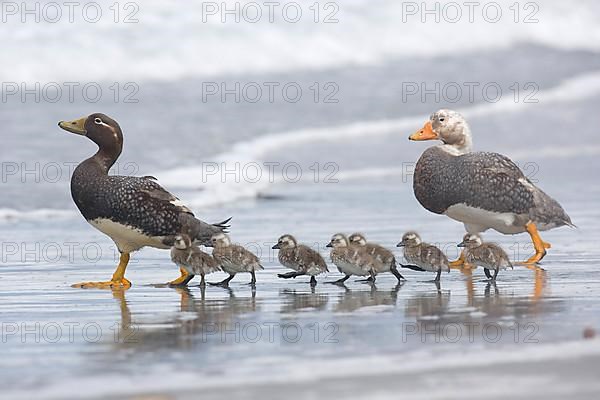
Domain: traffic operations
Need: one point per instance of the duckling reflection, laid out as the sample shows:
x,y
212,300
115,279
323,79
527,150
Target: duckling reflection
x,y
352,300
188,328
125,323
507,302
296,300
510,302
428,304
539,289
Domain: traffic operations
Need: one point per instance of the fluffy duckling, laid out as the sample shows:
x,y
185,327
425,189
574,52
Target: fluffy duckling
x,y
425,256
351,260
302,259
233,259
387,260
193,260
490,256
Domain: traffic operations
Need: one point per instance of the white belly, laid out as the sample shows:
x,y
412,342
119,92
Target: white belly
x,y
350,269
232,268
127,238
478,220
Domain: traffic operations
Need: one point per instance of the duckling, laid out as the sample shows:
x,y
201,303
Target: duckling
x,y
233,259
387,260
192,259
490,256
351,260
302,259
425,256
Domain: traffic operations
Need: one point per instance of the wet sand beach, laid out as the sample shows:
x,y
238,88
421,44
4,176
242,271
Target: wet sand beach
x,y
336,160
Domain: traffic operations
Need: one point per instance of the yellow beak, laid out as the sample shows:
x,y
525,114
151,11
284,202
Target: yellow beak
x,y
426,133
77,126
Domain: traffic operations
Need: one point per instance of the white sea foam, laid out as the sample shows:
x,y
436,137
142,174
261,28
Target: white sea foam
x,y
219,189
216,190
367,33
7,214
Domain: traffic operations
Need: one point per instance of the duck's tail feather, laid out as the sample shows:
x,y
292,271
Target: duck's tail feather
x,y
224,225
201,231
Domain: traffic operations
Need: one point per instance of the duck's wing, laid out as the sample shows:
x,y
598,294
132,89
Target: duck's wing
x,y
500,257
156,192
433,256
309,257
205,260
488,181
382,253
142,203
492,182
244,257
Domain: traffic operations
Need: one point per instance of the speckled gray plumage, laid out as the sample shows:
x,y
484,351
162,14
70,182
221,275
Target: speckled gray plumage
x,y
386,259
235,258
194,261
427,257
488,255
353,260
136,202
303,259
489,181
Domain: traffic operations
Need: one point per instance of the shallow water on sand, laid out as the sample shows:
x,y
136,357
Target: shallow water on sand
x,y
151,340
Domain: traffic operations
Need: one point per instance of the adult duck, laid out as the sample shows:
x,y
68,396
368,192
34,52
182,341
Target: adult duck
x,y
480,189
134,212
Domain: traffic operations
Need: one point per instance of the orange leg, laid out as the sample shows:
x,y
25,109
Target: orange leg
x,y
540,283
458,264
468,273
540,279
461,264
117,281
183,279
539,245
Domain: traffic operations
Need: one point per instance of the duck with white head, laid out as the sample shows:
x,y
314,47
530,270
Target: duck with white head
x,y
482,190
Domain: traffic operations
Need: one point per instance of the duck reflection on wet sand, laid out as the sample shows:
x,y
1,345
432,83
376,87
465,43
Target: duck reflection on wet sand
x,y
352,300
490,306
425,304
298,300
199,320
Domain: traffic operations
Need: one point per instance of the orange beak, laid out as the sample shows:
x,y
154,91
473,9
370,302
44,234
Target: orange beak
x,y
426,133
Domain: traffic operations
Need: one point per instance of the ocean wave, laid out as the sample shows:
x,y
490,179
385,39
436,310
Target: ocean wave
x,y
189,43
8,215
208,190
218,189
540,153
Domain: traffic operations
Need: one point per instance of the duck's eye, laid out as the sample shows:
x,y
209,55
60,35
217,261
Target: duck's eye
x,y
98,121
442,119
